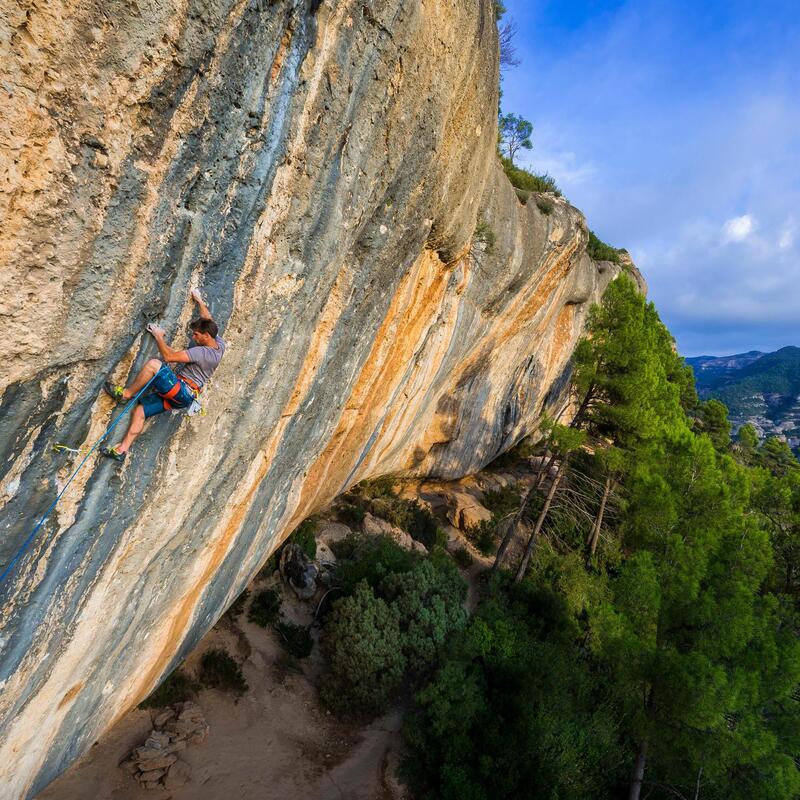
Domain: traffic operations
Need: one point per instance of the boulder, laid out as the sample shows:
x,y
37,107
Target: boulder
x,y
299,571
375,526
331,532
465,511
179,774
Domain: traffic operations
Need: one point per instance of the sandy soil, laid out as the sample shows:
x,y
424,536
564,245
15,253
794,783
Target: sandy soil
x,y
276,742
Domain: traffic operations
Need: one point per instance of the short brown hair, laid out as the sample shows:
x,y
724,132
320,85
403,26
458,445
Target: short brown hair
x,y
205,326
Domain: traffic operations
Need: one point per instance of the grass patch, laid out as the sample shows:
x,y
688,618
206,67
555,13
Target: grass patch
x,y
177,687
219,670
529,181
265,607
296,639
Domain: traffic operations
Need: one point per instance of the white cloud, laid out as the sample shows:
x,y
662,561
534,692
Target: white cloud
x,y
738,229
787,235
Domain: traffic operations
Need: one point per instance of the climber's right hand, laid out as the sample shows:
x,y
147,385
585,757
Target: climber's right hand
x,y
155,330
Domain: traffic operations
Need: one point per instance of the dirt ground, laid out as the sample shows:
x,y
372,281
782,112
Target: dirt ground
x,y
275,742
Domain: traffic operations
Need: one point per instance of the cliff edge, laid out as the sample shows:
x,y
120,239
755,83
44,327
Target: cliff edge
x,y
319,170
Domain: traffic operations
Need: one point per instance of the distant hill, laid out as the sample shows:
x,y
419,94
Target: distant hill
x,y
760,388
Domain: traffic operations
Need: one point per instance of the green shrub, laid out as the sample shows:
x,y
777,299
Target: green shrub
x,y
600,251
351,514
463,558
369,558
268,570
529,181
484,536
305,536
398,610
177,687
429,601
365,654
545,205
484,234
265,607
409,516
296,639
382,486
220,671
504,500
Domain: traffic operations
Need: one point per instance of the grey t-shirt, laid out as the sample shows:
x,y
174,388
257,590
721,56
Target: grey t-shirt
x,y
204,361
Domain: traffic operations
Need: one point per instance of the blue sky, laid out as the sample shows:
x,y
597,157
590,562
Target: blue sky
x,y
675,127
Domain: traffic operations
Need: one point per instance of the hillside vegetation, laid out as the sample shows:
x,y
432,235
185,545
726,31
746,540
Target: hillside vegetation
x,y
759,389
644,643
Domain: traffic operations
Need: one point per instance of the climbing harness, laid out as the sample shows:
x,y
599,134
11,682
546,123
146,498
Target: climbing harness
x,y
58,447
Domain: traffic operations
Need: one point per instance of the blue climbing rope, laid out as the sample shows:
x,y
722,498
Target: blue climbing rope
x,y
46,514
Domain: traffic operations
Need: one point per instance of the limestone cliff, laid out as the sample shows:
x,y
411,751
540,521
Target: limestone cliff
x,y
318,170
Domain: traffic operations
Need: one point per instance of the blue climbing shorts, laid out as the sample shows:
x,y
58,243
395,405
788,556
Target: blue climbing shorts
x,y
165,380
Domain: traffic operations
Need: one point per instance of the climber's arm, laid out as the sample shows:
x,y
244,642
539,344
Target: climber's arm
x,y
201,306
167,353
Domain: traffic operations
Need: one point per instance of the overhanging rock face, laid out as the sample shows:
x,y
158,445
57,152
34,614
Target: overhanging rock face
x,y
319,173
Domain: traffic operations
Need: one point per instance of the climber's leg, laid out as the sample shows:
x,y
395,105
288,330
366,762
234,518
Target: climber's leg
x,y
135,427
150,368
122,394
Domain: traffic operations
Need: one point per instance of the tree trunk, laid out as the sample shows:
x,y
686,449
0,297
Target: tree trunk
x,y
512,525
638,772
697,784
594,534
523,566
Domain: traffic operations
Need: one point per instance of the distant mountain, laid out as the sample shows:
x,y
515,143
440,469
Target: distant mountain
x,y
760,388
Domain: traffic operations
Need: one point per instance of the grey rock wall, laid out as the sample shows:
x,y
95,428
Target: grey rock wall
x,y
319,173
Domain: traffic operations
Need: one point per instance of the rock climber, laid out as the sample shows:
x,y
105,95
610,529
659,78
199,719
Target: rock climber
x,y
171,389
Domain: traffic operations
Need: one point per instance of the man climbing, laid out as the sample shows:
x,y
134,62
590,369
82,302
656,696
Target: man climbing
x,y
171,389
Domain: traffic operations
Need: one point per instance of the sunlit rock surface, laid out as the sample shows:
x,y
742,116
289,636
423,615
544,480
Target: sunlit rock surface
x,y
319,173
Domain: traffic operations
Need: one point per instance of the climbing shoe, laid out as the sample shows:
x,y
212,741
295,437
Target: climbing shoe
x,y
112,452
114,392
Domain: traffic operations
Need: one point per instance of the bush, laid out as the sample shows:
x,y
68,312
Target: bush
x,y
371,559
382,486
177,687
399,609
351,514
484,234
265,607
365,654
219,671
600,251
429,601
529,181
504,500
545,205
411,517
463,558
305,536
484,536
296,639
268,570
